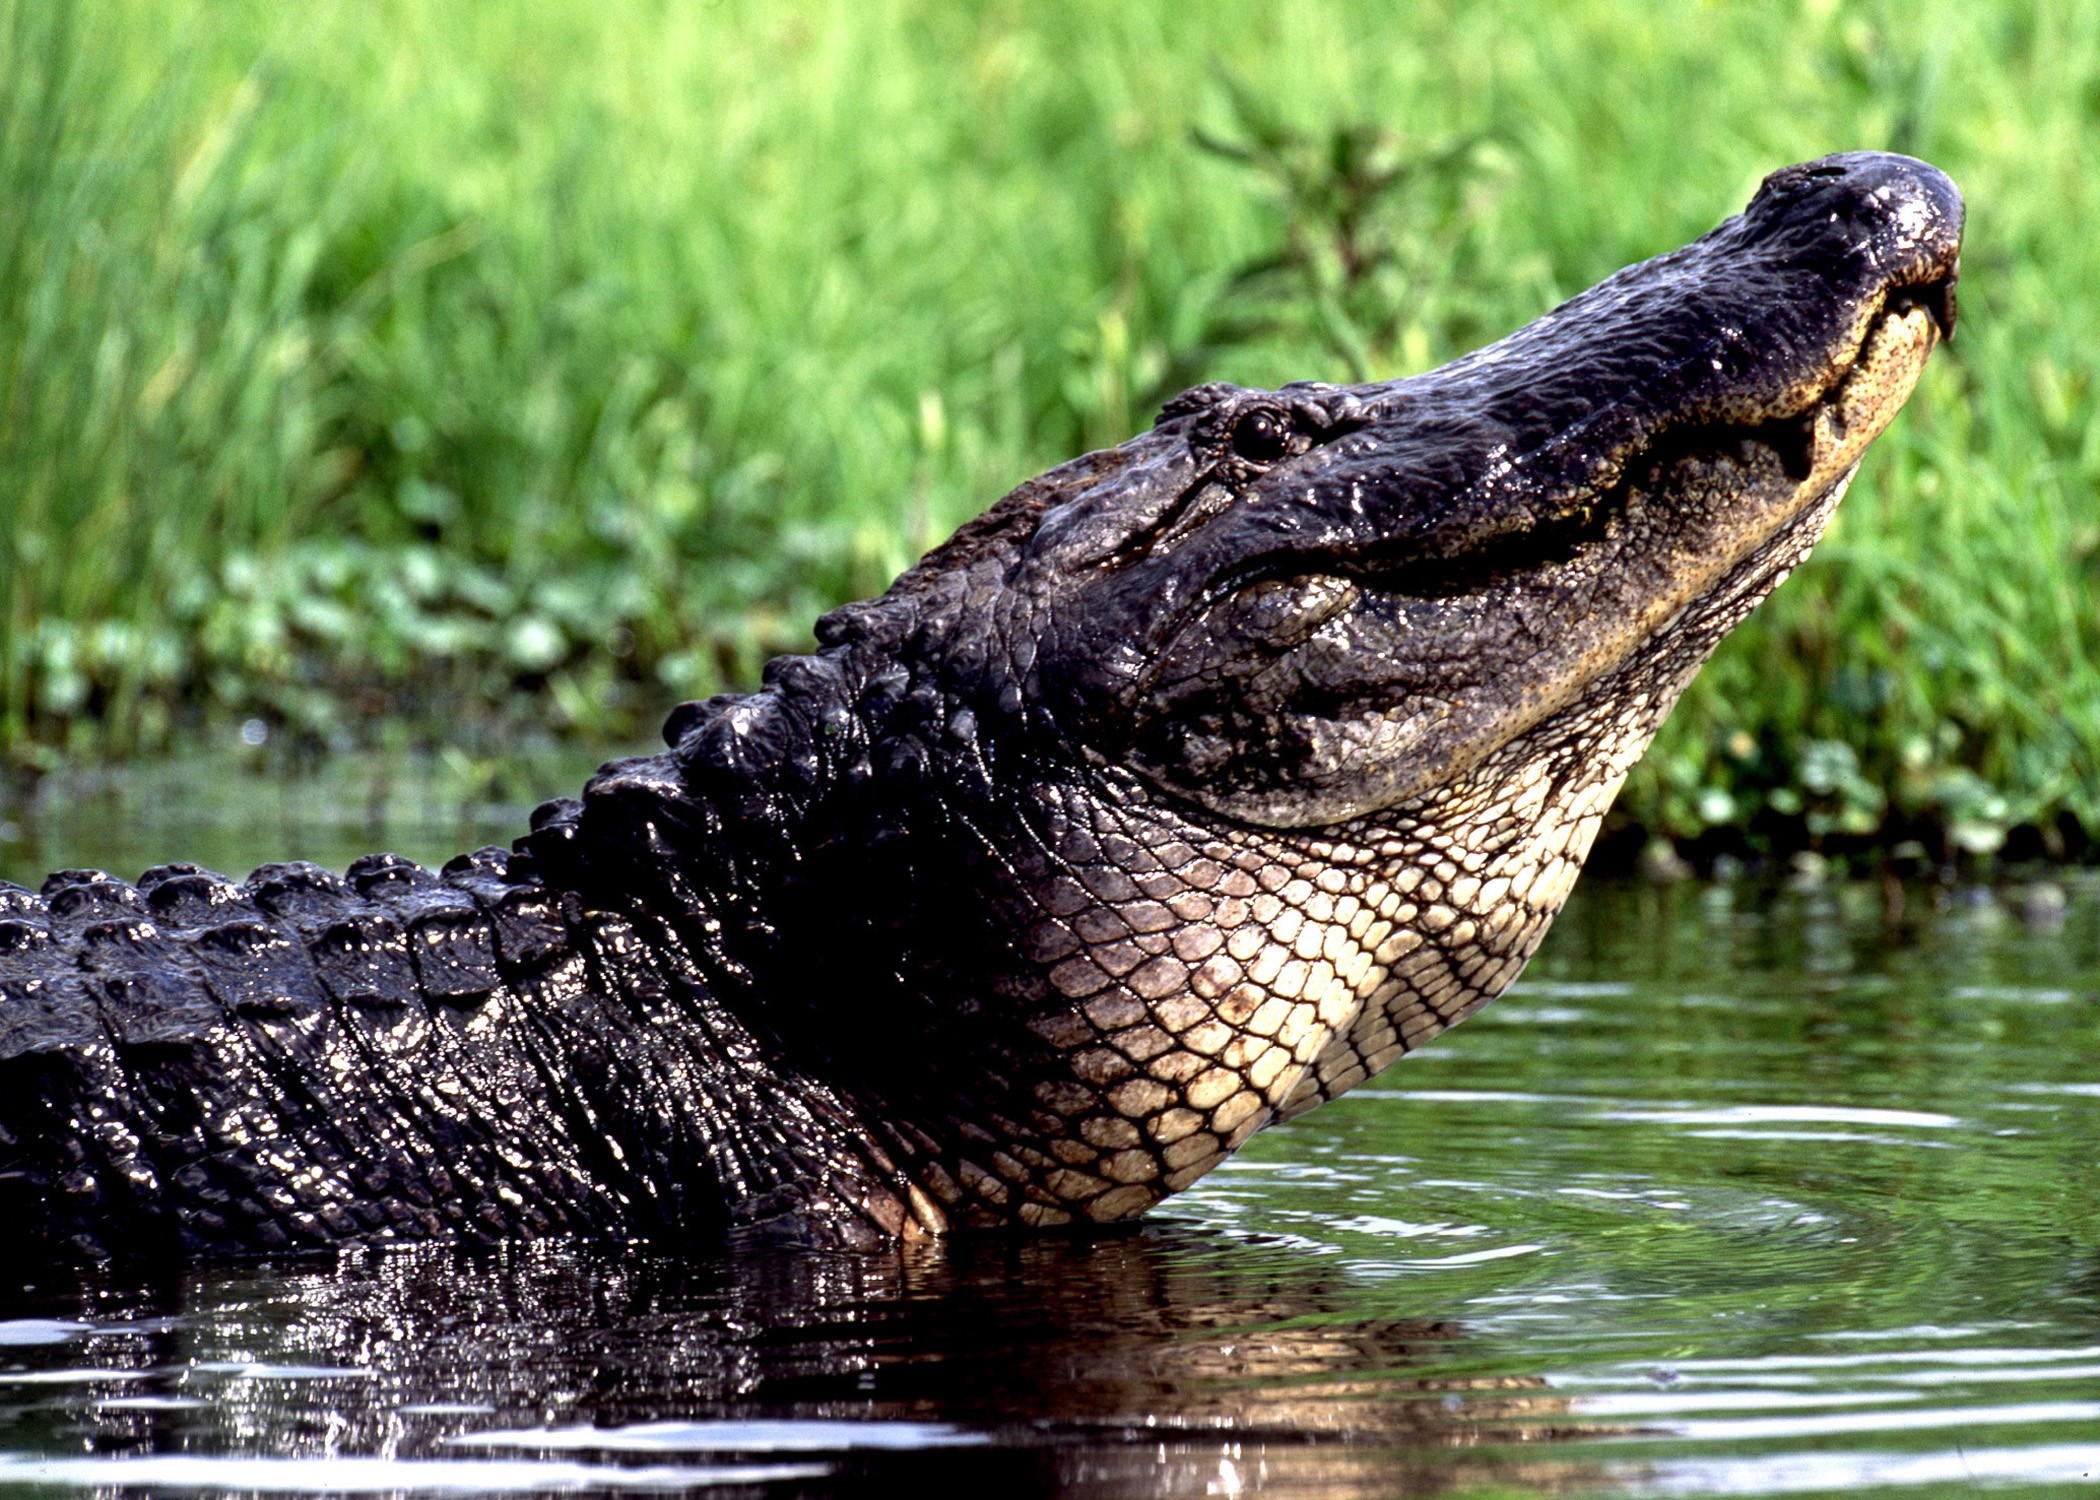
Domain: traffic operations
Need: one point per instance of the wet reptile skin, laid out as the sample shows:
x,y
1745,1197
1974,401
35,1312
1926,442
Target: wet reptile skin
x,y
1187,788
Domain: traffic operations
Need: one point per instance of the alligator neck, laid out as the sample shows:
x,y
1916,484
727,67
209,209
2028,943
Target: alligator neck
x,y
1028,989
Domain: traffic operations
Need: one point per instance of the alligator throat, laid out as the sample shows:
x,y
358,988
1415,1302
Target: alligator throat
x,y
1188,787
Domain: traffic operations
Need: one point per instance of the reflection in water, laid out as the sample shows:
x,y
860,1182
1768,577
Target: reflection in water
x,y
1753,1192
1163,1361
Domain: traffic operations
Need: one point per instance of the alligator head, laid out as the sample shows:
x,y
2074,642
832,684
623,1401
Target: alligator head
x,y
1202,777
1302,607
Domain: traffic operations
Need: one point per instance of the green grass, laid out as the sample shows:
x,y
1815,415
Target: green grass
x,y
438,369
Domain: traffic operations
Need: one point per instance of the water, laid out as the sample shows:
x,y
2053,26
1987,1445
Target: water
x,y
1741,1192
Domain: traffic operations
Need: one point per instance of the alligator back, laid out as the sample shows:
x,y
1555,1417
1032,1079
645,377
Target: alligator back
x,y
297,1056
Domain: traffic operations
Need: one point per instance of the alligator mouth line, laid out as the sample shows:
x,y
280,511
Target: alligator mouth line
x,y
1496,560
1589,519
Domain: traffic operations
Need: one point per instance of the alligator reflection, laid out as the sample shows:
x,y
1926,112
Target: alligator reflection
x,y
1157,1362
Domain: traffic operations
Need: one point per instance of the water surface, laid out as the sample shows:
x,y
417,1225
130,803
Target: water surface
x,y
1742,1191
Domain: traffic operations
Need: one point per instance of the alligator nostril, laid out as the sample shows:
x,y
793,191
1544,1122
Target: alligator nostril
x,y
1820,172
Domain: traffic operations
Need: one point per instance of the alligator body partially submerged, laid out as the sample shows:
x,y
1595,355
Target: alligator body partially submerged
x,y
1188,787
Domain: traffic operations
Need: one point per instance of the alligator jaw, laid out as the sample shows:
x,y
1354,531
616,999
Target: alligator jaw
x,y
1355,594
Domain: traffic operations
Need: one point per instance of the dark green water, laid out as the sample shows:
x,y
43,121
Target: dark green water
x,y
1740,1192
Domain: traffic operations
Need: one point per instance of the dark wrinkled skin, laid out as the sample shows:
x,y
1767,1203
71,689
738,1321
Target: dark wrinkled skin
x,y
1192,784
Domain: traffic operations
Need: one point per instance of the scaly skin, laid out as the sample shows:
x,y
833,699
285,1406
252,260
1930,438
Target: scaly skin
x,y
1188,787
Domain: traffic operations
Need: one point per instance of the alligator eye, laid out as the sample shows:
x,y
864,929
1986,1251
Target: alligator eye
x,y
1261,436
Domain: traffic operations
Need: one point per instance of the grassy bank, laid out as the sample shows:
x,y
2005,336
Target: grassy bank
x,y
409,371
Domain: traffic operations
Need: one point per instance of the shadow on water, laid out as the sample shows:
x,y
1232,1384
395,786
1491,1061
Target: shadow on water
x,y
1165,1361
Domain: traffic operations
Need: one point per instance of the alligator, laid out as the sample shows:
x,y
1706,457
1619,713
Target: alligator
x,y
1185,789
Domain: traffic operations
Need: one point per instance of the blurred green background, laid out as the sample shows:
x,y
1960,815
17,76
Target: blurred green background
x,y
451,372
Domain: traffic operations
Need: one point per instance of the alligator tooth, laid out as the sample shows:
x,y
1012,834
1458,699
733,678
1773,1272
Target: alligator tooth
x,y
1794,440
1937,299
